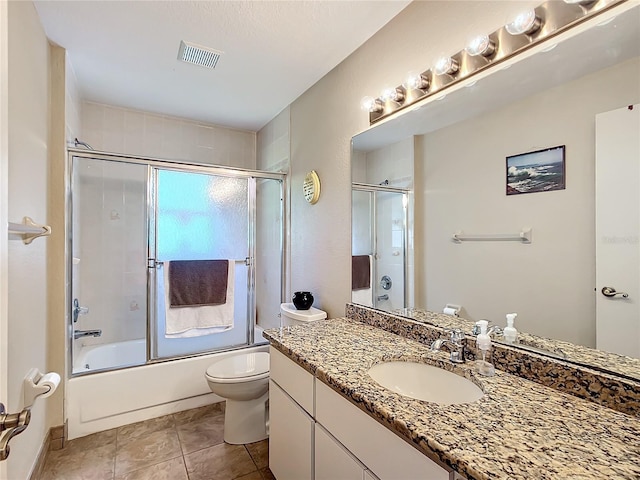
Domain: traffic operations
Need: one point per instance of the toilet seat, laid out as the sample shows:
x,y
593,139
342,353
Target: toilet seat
x,y
238,368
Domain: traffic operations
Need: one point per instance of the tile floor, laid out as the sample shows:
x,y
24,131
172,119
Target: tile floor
x,y
184,446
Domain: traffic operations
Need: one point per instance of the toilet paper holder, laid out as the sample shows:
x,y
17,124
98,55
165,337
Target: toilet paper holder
x,y
451,309
35,385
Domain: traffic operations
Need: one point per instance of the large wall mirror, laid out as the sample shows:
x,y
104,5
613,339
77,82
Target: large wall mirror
x,y
581,93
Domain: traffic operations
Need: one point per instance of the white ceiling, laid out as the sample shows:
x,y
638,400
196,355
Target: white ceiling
x,y
125,52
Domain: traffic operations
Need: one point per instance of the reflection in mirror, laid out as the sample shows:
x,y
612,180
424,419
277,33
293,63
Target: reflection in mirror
x,y
380,219
554,97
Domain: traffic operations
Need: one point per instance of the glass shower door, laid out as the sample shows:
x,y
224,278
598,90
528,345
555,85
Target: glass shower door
x,y
108,226
379,231
201,217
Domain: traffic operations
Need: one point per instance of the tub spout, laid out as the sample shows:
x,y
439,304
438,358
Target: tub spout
x,y
86,333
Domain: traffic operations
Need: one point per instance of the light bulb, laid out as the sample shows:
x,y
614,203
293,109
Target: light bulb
x,y
415,81
446,65
527,22
370,104
392,94
481,45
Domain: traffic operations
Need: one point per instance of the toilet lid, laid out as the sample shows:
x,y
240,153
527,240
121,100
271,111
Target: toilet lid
x,y
241,365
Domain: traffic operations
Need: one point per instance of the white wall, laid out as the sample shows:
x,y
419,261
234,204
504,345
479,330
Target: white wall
x,y
27,287
123,130
73,103
550,283
326,116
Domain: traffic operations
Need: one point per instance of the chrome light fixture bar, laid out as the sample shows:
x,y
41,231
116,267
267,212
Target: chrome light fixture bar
x,y
485,51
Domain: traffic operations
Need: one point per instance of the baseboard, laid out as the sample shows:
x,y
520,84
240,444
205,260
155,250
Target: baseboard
x,y
54,441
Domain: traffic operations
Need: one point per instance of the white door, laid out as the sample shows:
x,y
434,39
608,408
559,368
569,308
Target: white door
x,y
618,231
4,172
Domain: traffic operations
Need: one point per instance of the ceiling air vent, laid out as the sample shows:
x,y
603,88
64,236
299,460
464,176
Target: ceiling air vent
x,y
198,55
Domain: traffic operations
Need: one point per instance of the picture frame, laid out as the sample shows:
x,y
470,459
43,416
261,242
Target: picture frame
x,y
536,171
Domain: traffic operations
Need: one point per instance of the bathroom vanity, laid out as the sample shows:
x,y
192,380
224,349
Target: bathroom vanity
x,y
330,419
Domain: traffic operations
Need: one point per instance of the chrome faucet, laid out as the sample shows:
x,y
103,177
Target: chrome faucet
x,y
455,345
493,329
86,333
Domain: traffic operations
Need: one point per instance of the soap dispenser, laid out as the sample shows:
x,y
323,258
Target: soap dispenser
x,y
484,365
510,333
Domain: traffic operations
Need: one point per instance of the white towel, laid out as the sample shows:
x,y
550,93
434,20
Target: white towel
x,y
184,322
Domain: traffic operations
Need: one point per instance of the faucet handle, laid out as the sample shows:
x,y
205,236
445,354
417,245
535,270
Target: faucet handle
x,y
456,335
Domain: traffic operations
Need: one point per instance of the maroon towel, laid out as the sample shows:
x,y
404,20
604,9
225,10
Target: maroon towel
x,y
198,282
360,272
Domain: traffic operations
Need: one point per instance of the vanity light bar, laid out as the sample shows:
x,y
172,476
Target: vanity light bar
x,y
526,30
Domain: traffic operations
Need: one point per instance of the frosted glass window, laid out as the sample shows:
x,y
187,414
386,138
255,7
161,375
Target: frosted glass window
x,y
202,217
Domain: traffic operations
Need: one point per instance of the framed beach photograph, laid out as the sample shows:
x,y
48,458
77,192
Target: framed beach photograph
x,y
539,171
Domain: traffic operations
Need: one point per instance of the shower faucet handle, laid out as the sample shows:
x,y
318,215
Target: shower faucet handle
x,y
78,310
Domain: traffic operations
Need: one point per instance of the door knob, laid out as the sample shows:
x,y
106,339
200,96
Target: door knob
x,y
611,292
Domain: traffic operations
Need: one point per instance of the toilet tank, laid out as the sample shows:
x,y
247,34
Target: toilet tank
x,y
292,316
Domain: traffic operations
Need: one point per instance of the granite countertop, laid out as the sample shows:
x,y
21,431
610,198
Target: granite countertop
x,y
589,357
518,430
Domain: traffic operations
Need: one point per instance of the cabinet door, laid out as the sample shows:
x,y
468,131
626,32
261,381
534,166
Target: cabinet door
x,y
333,461
292,378
382,451
290,437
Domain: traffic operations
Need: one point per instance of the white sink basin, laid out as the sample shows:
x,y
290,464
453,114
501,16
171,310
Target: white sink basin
x,y
425,382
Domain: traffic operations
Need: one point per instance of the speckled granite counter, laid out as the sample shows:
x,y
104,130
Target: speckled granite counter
x,y
605,361
518,430
604,388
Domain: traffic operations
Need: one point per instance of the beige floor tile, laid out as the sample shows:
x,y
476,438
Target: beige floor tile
x,y
266,474
221,462
259,452
94,464
134,431
143,452
90,442
194,414
202,433
252,476
173,469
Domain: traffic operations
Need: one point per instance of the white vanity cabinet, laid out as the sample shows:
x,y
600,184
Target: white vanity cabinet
x,y
290,437
333,461
291,424
315,433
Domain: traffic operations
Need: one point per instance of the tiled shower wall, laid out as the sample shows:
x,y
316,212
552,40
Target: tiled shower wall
x,y
133,132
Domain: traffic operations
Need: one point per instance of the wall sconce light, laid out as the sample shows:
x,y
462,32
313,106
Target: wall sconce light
x,y
416,81
481,45
446,66
558,16
371,105
392,94
527,22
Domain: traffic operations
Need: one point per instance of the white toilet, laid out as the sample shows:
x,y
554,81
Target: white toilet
x,y
243,380
291,316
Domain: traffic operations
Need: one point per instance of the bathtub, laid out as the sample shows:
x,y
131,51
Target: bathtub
x,y
110,399
109,355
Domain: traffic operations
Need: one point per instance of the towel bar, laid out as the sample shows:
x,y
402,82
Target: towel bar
x,y
28,229
524,236
154,263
